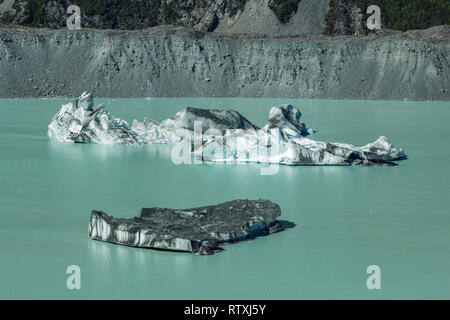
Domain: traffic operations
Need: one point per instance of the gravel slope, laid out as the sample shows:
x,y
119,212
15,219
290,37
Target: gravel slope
x,y
258,18
175,62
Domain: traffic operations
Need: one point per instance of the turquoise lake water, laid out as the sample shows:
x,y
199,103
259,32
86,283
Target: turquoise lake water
x,y
347,218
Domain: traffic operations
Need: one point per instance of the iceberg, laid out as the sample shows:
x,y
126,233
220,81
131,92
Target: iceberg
x,y
224,136
287,117
198,230
282,146
79,122
183,124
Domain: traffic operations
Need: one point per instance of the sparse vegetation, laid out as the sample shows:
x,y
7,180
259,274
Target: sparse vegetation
x,y
284,9
410,14
35,9
125,14
236,6
397,15
135,14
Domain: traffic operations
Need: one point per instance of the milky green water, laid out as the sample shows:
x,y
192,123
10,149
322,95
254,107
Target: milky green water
x,y
347,218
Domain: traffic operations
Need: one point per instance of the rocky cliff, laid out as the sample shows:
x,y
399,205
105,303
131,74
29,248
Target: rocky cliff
x,y
175,62
268,17
200,15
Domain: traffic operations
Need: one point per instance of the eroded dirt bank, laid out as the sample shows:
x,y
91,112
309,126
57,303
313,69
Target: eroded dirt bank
x,y
175,62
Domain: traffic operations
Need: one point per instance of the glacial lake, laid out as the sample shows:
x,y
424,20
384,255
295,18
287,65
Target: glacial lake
x,y
346,218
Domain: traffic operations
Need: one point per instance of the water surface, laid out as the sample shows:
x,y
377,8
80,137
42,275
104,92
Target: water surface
x,y
347,218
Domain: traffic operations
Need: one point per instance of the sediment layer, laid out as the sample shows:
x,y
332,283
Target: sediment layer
x,y
176,62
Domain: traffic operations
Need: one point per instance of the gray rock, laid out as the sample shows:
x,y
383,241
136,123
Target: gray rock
x,y
199,230
6,6
226,16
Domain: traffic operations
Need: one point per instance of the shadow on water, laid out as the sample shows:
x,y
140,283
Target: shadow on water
x,y
284,224
287,224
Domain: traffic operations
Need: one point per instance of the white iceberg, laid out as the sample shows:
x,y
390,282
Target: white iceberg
x,y
189,120
279,146
220,136
79,122
288,117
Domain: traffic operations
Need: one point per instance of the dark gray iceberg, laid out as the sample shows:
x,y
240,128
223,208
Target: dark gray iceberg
x,y
198,230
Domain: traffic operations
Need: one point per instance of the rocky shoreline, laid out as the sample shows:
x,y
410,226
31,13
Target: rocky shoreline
x,y
169,61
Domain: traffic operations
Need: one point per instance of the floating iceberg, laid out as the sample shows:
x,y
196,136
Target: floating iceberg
x,y
198,230
220,136
183,124
79,122
287,117
282,146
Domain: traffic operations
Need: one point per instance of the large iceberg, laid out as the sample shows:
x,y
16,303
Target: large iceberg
x,y
198,230
283,146
79,122
185,123
225,136
228,137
